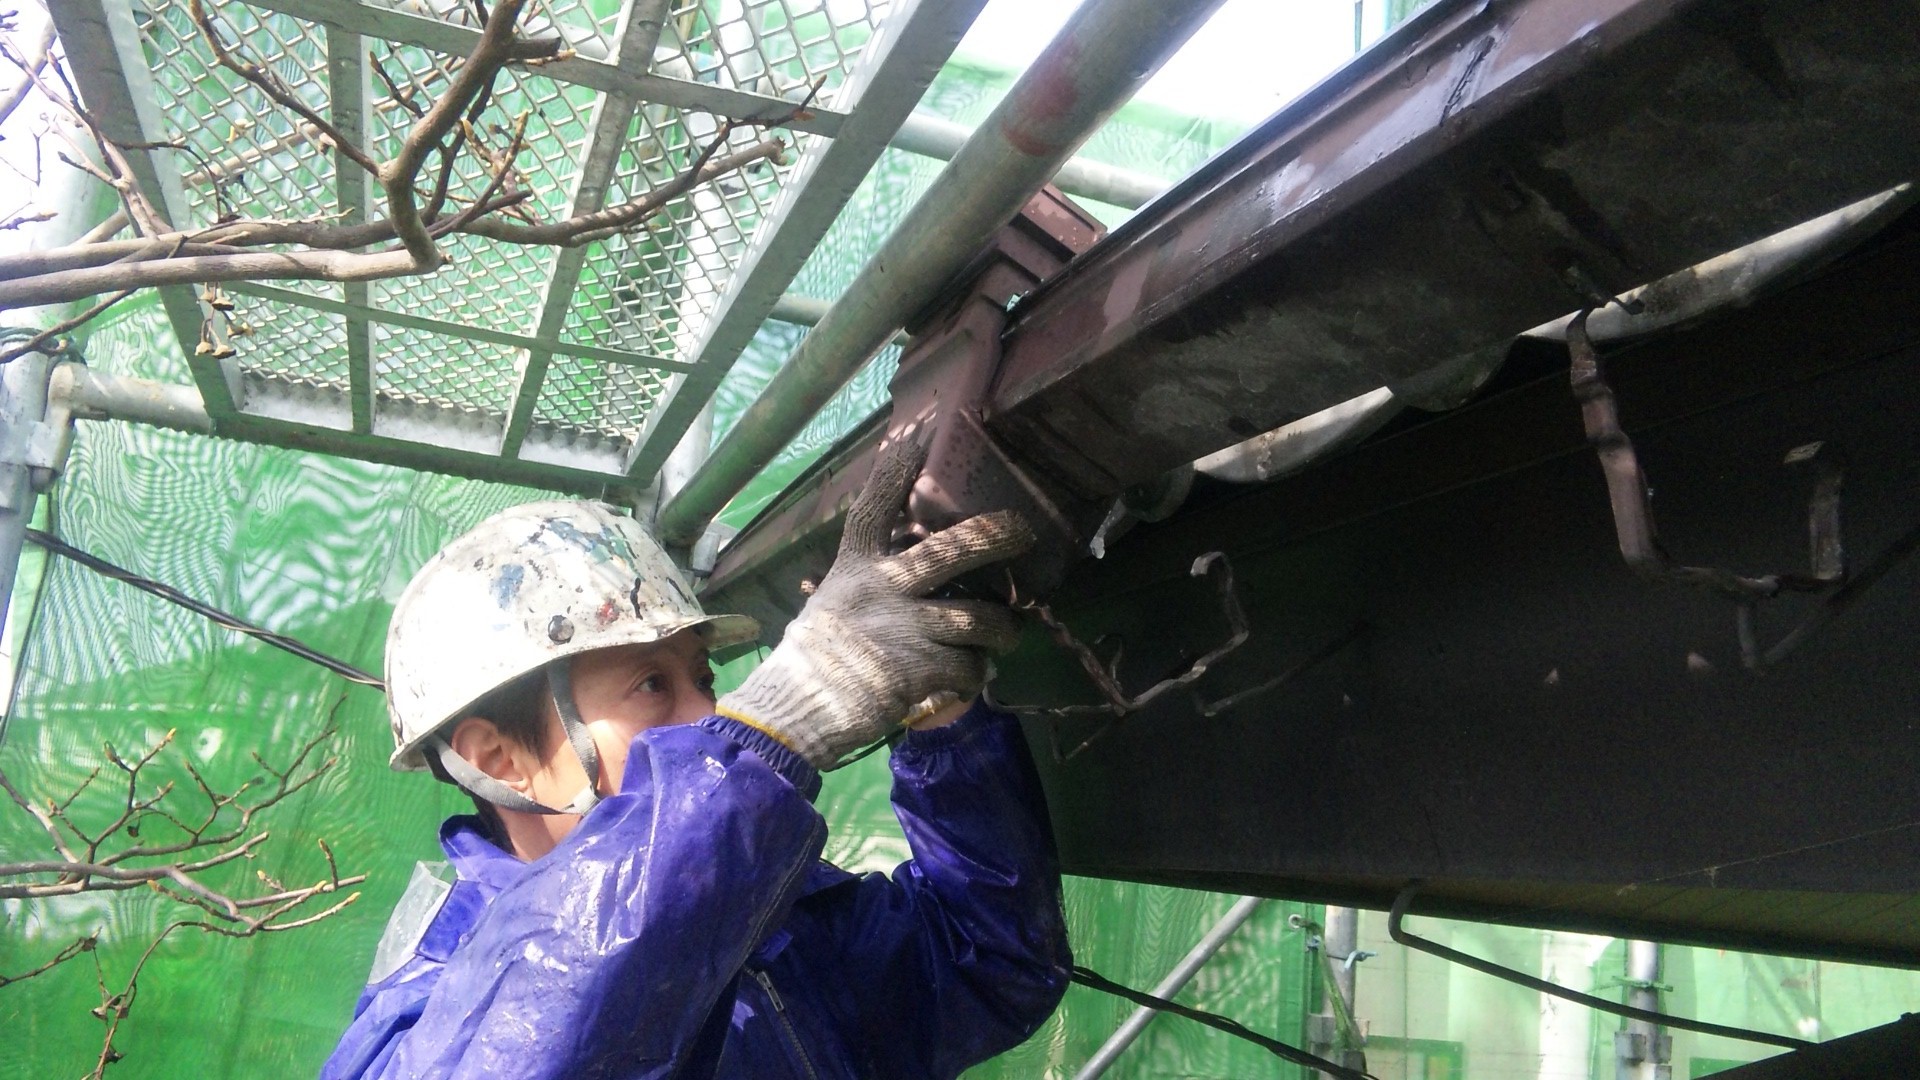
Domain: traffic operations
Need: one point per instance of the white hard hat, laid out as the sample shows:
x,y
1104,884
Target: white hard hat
x,y
528,586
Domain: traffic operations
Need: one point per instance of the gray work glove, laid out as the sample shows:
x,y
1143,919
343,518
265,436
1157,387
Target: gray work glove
x,y
867,648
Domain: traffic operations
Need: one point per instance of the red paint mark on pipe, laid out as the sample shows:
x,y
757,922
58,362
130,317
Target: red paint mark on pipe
x,y
1051,93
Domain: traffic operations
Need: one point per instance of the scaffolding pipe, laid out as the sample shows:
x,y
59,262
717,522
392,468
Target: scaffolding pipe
x,y
808,311
1398,932
1643,1051
1104,53
1183,973
937,137
1339,947
95,395
23,410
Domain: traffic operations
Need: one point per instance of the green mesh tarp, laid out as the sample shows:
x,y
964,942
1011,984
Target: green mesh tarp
x,y
315,546
318,547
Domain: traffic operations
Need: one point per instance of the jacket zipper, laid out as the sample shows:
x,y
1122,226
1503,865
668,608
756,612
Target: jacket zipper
x,y
780,1010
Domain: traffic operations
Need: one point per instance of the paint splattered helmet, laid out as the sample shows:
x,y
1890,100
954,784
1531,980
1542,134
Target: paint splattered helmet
x,y
528,586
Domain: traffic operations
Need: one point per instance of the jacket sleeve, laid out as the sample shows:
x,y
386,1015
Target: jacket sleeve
x,y
609,956
963,954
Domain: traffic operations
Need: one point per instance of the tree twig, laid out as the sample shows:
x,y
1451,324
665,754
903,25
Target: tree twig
x,y
72,949
117,174
495,49
26,216
586,228
182,877
276,90
32,62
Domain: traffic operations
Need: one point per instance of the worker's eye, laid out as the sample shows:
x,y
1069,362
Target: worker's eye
x,y
703,678
651,684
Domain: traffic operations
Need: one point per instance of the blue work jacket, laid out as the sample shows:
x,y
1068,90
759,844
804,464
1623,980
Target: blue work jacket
x,y
687,927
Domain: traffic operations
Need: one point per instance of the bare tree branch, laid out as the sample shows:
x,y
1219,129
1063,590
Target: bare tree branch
x,y
113,857
227,168
404,242
31,63
115,224
47,277
495,49
117,173
501,170
254,266
39,341
72,949
78,256
45,819
25,216
586,228
271,85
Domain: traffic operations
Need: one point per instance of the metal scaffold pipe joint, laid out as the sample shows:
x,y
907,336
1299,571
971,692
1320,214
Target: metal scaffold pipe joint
x,y
1105,52
86,394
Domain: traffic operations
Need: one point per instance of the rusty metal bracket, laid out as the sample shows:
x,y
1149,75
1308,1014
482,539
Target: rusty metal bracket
x,y
1632,504
1631,500
1105,674
1831,606
1293,671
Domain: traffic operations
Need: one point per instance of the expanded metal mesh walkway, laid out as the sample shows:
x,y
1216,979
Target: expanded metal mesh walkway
x,y
569,368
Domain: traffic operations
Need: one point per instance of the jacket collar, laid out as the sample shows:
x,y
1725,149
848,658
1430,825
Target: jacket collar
x,y
475,857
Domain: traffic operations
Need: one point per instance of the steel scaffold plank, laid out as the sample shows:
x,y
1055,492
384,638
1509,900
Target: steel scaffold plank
x,y
347,99
598,73
927,32
102,48
454,329
613,115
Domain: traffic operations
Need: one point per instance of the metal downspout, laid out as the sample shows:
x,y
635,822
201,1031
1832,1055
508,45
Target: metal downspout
x,y
1340,950
1643,1051
1183,973
1106,51
26,438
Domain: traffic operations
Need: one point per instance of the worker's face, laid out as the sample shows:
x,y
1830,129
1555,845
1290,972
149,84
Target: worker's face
x,y
621,692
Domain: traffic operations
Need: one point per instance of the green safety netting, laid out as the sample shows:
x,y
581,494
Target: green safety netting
x,y
318,547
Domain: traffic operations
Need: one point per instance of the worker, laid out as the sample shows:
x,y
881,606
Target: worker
x,y
641,892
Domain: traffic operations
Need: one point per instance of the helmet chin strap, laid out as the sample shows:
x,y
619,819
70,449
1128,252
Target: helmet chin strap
x,y
560,688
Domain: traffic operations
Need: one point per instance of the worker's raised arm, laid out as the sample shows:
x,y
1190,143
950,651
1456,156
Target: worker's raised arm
x,y
963,954
608,935
608,955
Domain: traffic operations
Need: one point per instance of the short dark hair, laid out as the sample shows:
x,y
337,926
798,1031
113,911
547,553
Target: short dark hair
x,y
517,708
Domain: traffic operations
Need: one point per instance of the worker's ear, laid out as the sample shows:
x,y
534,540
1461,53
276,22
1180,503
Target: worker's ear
x,y
481,742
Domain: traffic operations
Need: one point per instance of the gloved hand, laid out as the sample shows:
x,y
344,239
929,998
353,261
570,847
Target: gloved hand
x,y
867,648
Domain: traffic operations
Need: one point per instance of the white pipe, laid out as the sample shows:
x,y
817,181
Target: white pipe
x,y
1176,979
937,137
1566,1029
1287,449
